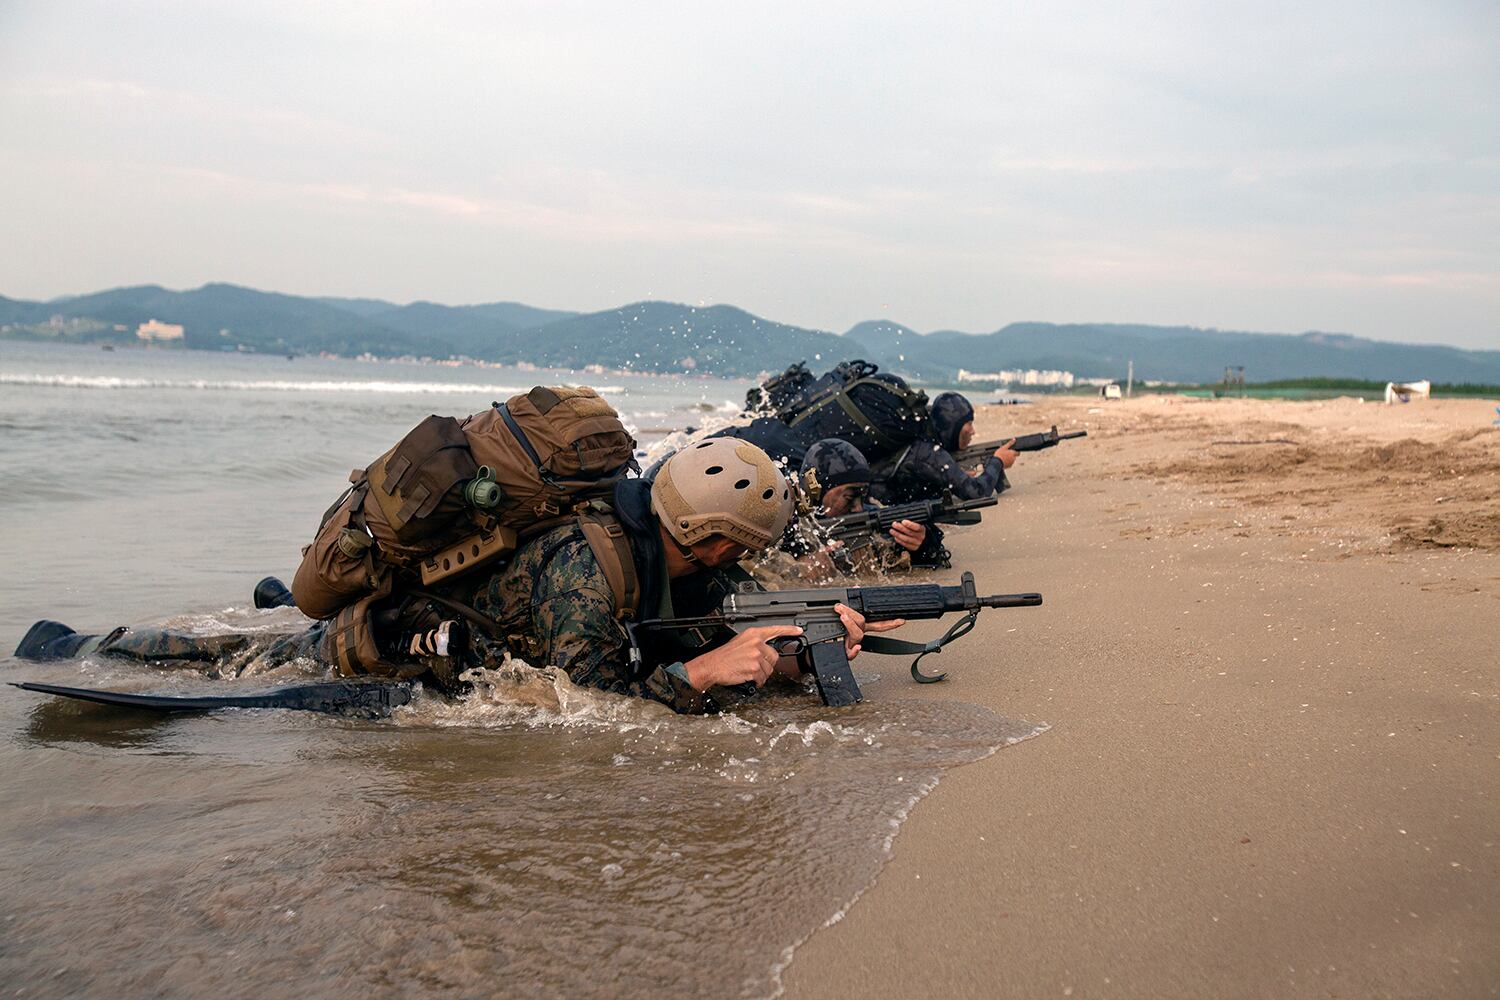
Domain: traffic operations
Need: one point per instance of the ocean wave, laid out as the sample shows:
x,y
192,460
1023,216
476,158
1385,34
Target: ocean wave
x,y
267,385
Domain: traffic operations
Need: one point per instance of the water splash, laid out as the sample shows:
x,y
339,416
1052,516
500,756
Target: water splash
x,y
564,841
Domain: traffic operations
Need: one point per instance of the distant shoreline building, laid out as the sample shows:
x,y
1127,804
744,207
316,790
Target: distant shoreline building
x,y
1019,376
154,329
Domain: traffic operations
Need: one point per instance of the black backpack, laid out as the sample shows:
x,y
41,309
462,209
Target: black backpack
x,y
775,393
785,446
875,411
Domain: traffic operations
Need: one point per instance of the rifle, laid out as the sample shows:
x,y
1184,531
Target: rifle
x,y
861,527
822,637
1026,442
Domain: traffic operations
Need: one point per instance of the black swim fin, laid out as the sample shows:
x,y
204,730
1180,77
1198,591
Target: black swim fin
x,y
367,699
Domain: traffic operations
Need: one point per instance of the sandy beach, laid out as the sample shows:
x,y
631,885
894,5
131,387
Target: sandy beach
x,y
1269,660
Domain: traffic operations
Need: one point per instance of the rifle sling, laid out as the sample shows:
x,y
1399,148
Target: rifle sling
x,y
887,646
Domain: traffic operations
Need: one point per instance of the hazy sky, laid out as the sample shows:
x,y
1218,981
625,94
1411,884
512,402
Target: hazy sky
x,y
1256,165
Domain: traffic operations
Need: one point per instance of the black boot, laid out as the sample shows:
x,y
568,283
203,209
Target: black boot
x,y
48,640
272,593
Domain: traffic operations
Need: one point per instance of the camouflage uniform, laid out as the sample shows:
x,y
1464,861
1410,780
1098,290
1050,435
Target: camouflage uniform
x,y
228,654
554,607
926,470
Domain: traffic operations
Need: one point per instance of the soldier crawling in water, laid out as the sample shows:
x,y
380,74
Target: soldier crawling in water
x,y
667,548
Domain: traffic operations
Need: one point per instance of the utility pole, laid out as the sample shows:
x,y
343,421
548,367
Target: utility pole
x,y
1130,378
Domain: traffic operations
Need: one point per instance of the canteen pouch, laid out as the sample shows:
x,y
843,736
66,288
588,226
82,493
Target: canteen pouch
x,y
349,644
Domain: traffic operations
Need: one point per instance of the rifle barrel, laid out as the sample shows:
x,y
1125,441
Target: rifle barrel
x,y
1011,601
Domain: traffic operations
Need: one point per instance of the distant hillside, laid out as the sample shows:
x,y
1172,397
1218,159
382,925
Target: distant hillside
x,y
359,307
458,332
722,339
665,336
468,330
218,317
1185,354
515,315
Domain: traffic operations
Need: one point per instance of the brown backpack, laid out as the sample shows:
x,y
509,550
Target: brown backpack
x,y
410,518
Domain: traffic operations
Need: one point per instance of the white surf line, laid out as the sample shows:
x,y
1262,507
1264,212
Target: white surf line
x,y
264,385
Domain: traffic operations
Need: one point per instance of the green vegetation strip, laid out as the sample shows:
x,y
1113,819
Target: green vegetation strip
x,y
1324,388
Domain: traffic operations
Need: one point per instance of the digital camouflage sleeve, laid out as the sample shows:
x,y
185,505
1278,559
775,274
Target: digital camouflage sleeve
x,y
554,606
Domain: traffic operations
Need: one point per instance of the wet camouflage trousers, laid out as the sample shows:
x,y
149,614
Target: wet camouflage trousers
x,y
230,654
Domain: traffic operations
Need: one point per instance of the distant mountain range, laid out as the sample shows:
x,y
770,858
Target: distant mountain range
x,y
723,340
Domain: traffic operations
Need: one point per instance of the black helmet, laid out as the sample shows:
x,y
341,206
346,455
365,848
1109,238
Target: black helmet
x,y
832,462
950,411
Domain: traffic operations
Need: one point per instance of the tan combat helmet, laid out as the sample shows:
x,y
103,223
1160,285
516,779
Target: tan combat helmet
x,y
722,486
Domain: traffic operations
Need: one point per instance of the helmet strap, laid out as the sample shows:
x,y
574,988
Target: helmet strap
x,y
687,553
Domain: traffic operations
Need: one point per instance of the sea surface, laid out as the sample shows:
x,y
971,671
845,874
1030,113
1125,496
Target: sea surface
x,y
531,839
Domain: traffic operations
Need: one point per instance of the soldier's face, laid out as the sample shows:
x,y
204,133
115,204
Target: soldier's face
x,y
845,499
719,552
966,435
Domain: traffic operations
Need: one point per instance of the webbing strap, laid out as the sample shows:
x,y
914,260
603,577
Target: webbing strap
x,y
900,458
880,437
343,642
473,615
606,538
886,646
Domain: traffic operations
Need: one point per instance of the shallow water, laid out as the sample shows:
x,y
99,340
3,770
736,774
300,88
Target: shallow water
x,y
533,839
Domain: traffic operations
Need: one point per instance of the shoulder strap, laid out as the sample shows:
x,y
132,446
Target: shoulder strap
x,y
606,537
900,460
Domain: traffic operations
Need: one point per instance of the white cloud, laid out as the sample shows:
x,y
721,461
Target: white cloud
x,y
967,165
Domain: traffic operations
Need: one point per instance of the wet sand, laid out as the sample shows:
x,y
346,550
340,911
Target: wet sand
x,y
1270,669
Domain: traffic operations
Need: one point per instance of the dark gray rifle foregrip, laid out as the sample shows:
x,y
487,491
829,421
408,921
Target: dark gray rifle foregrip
x,y
923,600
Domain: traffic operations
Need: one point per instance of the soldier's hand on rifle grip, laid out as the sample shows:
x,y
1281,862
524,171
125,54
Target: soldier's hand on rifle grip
x,y
1005,455
747,657
909,535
